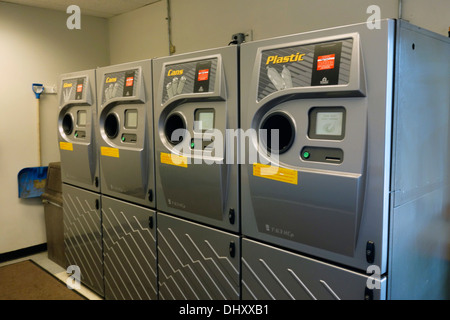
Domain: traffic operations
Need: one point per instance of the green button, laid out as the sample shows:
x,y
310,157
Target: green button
x,y
123,138
192,145
306,154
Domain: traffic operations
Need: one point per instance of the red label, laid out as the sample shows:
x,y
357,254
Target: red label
x,y
80,88
129,82
325,62
203,74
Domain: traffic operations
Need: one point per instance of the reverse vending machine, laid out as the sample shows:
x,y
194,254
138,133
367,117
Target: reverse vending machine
x,y
197,177
81,176
345,186
125,139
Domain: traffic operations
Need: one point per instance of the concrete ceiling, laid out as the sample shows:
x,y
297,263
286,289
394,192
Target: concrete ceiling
x,y
97,8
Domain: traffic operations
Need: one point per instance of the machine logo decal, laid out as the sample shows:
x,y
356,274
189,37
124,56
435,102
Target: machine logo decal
x,y
110,80
171,72
275,173
290,58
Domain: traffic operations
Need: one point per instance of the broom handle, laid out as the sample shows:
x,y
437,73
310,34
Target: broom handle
x,y
39,132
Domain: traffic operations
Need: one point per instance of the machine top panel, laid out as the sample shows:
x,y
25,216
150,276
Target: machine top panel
x,y
121,84
189,77
306,65
74,90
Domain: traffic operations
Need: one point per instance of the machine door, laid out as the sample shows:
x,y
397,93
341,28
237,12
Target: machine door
x,y
83,235
269,273
196,103
76,130
196,262
125,138
129,244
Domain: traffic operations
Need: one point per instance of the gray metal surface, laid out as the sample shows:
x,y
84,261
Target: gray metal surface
x,y
126,143
83,235
269,273
129,242
195,263
78,146
206,189
333,209
419,265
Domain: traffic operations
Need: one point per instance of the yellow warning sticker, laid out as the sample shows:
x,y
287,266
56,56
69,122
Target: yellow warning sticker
x,y
174,160
109,152
66,146
275,173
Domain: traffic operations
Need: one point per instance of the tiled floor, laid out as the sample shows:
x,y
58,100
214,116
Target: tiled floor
x,y
58,271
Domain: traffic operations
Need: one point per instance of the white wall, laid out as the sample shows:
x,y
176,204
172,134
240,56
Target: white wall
x,y
203,24
35,46
140,34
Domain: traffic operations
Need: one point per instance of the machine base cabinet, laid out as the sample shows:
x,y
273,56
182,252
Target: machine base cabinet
x,y
83,235
196,262
269,273
129,245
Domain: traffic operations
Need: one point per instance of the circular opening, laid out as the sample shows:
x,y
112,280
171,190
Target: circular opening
x,y
277,126
111,125
67,124
174,128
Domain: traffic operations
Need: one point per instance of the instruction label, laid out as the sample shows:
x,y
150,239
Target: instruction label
x,y
174,160
66,146
109,152
275,173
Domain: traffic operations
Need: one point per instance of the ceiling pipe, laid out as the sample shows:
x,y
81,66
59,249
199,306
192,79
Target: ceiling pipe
x,y
169,28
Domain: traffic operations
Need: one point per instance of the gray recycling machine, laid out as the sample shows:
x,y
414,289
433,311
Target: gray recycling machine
x,y
125,131
197,179
80,174
345,188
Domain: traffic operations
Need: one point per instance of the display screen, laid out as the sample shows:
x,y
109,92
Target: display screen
x,y
82,118
131,119
204,120
329,123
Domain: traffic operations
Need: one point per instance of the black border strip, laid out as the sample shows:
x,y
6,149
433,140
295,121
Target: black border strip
x,y
21,253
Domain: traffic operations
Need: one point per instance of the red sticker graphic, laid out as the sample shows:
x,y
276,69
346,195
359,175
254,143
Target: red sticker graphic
x,y
325,62
203,74
80,88
129,82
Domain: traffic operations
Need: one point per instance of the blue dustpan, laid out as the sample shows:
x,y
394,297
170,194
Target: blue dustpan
x,y
32,182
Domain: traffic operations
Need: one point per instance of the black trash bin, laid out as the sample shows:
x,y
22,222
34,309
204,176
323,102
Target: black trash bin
x,y
52,200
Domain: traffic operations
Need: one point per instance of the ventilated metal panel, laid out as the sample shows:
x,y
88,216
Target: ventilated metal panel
x,y
129,242
196,262
269,273
83,235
